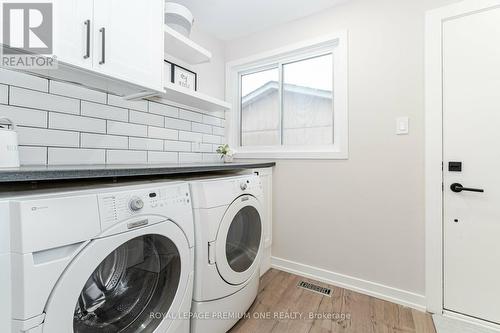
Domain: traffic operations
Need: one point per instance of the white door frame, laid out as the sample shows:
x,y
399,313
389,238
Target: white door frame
x,y
434,144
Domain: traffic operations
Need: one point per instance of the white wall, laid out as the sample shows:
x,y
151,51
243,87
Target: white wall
x,y
362,217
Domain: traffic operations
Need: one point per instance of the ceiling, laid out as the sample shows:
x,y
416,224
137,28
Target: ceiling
x,y
230,19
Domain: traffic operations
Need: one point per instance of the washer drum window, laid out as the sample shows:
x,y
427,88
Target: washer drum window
x,y
137,279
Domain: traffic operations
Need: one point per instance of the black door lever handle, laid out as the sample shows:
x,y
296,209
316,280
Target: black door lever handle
x,y
456,187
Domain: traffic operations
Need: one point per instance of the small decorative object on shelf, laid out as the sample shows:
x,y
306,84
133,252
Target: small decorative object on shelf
x,y
225,153
182,77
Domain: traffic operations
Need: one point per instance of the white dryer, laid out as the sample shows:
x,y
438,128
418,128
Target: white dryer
x,y
112,259
228,236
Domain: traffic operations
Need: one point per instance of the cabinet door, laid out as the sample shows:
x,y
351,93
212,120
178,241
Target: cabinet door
x,y
128,39
73,25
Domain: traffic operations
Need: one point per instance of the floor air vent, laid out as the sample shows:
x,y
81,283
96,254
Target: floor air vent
x,y
315,288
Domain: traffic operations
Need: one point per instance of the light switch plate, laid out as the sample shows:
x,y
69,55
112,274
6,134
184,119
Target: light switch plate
x,y
402,126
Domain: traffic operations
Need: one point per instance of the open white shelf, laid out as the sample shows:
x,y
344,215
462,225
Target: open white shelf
x,y
193,99
184,48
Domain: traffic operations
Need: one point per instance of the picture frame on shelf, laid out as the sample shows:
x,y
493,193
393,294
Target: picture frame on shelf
x,y
181,76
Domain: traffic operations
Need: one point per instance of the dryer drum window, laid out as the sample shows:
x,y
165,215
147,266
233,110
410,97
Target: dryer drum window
x,y
243,239
139,278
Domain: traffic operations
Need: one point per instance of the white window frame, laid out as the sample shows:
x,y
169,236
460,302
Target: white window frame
x,y
335,44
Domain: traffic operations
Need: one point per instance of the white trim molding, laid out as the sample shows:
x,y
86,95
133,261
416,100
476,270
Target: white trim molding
x,y
335,43
398,296
434,143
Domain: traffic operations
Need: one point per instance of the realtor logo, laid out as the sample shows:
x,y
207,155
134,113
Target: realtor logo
x,y
27,27
27,36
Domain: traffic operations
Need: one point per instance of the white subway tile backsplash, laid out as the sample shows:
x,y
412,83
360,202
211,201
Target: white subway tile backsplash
x,y
4,94
201,128
60,156
163,133
205,148
23,116
104,111
103,141
171,145
177,124
44,101
218,114
29,155
190,115
190,157
31,136
162,157
128,129
190,136
126,157
212,120
24,80
210,157
76,123
163,110
146,118
218,131
145,144
212,138
75,91
61,123
119,101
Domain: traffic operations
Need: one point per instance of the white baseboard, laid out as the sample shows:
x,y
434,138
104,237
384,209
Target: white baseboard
x,y
476,325
374,289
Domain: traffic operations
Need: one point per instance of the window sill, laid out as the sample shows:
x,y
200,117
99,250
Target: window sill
x,y
293,155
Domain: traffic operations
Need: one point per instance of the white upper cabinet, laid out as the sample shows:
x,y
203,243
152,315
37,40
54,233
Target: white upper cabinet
x,y
128,41
113,40
73,26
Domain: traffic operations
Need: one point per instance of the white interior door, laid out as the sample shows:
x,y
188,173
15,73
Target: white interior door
x,y
73,22
471,135
128,39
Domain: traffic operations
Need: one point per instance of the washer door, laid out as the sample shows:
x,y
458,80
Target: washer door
x,y
131,282
239,240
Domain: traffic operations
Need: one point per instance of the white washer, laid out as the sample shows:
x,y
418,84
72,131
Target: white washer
x,y
107,259
228,235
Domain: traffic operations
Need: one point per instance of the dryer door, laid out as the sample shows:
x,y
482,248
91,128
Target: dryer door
x,y
130,282
239,240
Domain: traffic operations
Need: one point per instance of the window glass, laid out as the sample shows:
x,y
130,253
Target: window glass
x,y
308,101
260,110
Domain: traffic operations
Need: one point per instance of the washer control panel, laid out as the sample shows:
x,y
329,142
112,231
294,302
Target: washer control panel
x,y
251,183
118,206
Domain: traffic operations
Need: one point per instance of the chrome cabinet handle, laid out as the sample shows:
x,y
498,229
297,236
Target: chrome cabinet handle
x,y
457,188
87,48
103,51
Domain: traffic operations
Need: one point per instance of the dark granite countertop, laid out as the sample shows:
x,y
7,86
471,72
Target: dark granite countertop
x,y
68,172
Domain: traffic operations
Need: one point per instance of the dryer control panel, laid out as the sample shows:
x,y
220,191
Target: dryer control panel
x,y
160,202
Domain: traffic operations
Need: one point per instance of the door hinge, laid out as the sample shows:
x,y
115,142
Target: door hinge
x,y
211,253
442,187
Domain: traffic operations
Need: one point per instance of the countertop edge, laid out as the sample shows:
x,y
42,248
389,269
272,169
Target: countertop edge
x,y
28,174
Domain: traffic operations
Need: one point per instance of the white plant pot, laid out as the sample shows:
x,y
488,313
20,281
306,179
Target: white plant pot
x,y
228,158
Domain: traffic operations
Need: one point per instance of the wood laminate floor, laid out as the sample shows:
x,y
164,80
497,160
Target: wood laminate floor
x,y
282,307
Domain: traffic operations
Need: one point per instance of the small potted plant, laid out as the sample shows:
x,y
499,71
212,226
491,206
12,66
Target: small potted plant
x,y
225,153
